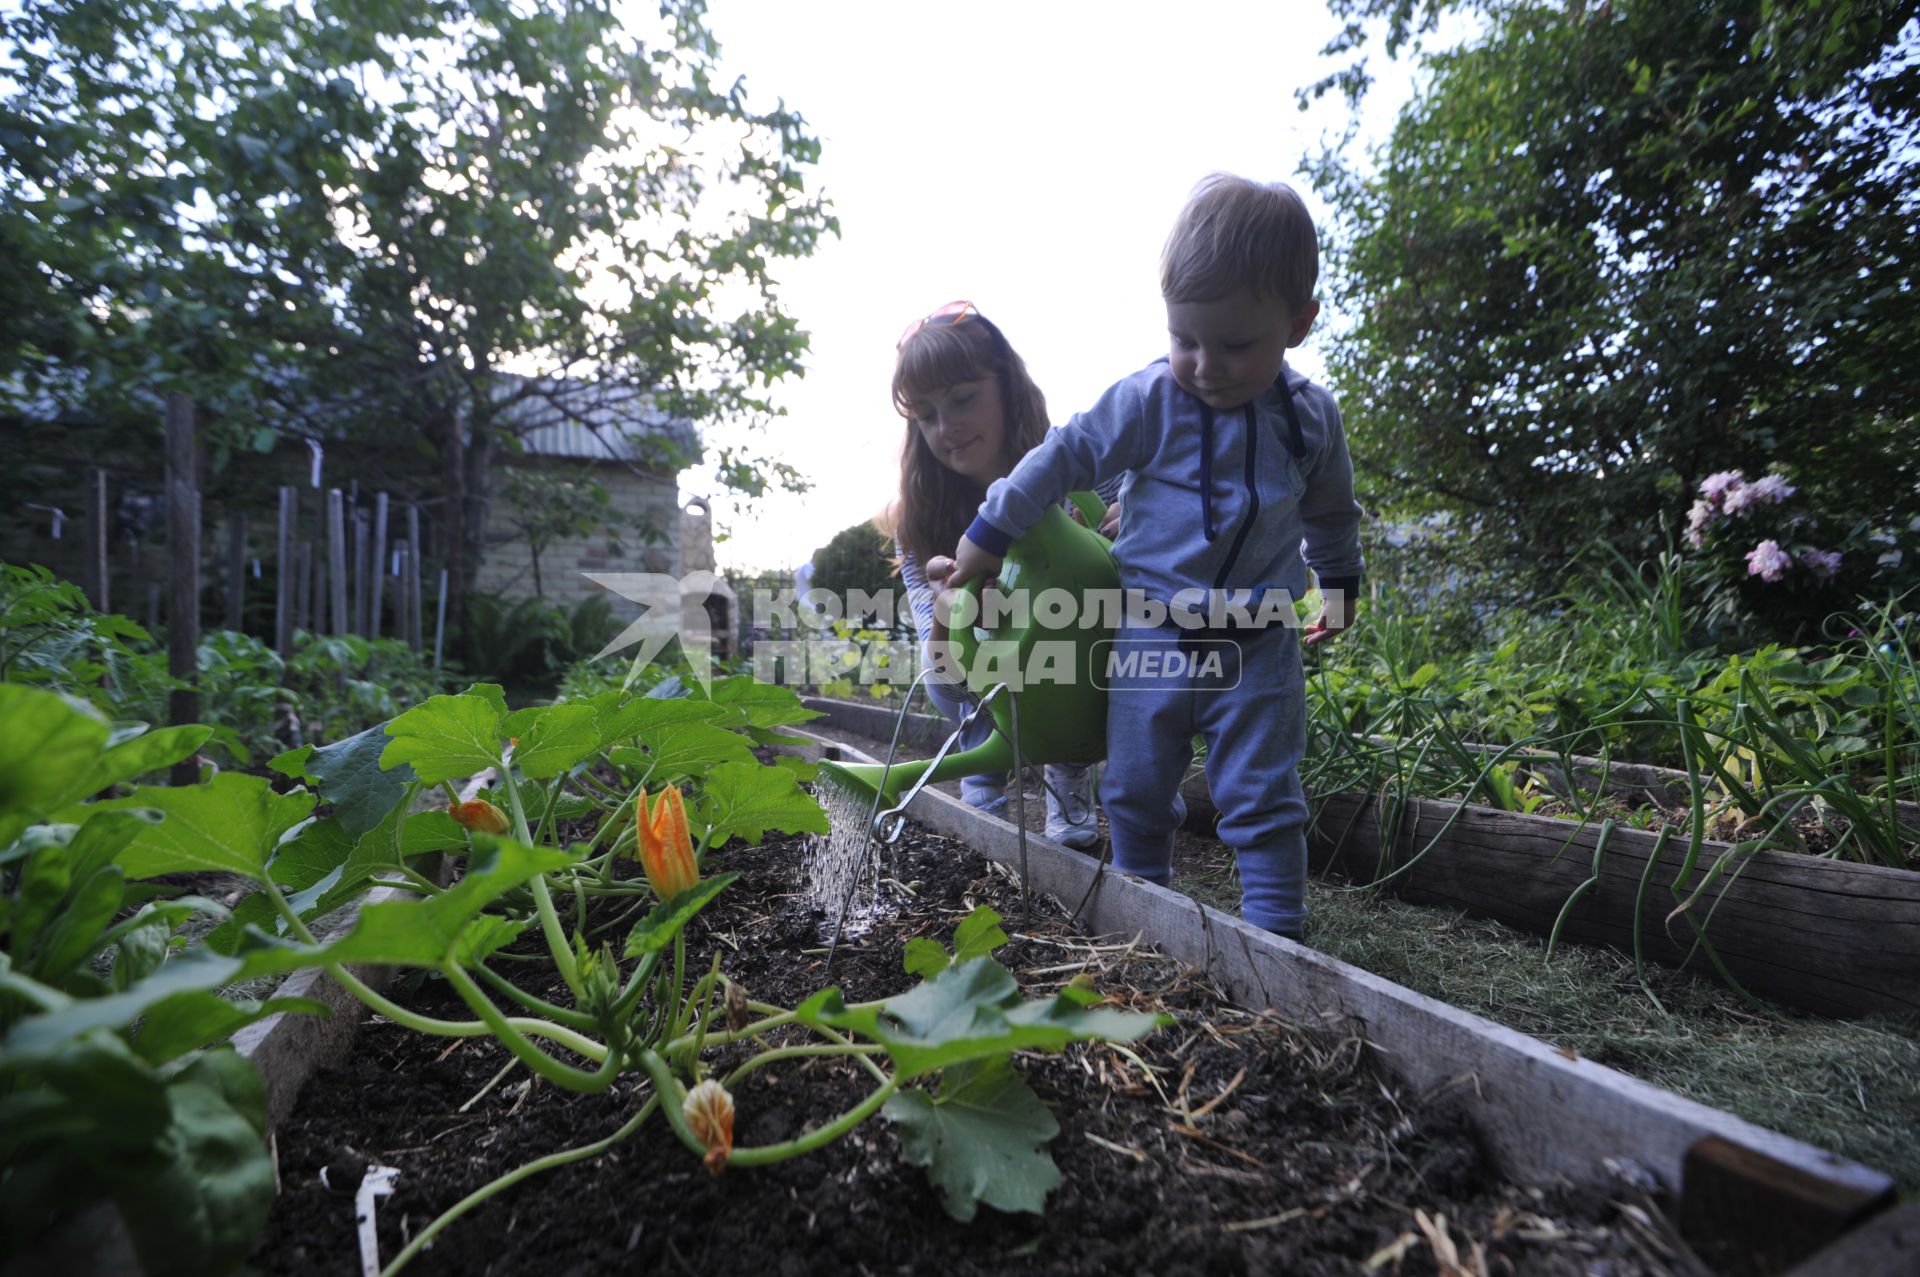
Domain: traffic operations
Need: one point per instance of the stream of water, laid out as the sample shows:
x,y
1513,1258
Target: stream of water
x,y
837,876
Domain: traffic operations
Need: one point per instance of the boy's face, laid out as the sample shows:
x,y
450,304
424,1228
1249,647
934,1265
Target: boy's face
x,y
1226,352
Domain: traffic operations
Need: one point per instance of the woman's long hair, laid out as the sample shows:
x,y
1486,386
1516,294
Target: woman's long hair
x,y
936,504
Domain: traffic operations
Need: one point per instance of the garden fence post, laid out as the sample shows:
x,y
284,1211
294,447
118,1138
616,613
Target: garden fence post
x,y
285,576
402,552
415,627
440,619
236,569
303,590
317,578
183,573
361,554
99,576
337,560
377,582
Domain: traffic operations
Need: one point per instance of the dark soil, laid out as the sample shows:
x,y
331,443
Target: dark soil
x,y
1256,1145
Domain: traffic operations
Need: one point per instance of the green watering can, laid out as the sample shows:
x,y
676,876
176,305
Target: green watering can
x,y
1063,707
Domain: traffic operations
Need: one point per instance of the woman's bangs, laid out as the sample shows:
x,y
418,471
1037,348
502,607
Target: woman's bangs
x,y
935,358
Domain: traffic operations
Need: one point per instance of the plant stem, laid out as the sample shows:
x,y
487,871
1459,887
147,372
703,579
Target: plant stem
x,y
859,1050
672,1095
563,1075
514,1176
557,942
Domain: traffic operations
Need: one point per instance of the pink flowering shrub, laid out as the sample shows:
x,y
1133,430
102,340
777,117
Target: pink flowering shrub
x,y
1767,562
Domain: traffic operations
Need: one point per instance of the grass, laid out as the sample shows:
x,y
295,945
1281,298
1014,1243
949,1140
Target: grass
x,y
1851,1087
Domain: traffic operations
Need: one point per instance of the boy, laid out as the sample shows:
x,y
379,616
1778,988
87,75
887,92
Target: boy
x,y
1232,461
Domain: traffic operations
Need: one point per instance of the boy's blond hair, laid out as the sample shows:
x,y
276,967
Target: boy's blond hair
x,y
1236,233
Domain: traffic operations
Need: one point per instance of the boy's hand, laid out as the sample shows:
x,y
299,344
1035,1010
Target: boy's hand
x,y
1335,616
970,561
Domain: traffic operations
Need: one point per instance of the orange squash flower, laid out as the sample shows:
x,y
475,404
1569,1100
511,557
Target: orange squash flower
x,y
665,846
709,1113
480,816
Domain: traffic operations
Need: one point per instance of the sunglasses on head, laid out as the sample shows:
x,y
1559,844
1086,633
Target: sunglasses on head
x,y
951,313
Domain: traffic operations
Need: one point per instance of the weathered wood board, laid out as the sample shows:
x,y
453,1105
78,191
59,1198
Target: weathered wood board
x,y
1544,1112
1826,936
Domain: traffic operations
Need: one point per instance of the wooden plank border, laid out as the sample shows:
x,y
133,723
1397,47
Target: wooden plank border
x,y
1832,937
1542,1113
1827,936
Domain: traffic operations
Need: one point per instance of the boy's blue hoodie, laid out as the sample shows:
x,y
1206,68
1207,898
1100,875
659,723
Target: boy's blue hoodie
x,y
1212,500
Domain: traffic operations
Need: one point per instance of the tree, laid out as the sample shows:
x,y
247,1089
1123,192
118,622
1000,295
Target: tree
x,y
1615,248
358,215
857,558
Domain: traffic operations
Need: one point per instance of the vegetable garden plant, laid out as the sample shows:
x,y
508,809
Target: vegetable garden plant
x,y
117,1082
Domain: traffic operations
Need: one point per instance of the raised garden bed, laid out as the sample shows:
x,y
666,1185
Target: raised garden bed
x,y
1832,937
1235,1140
1753,1200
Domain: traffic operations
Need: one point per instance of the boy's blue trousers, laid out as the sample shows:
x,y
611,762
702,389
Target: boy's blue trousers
x,y
1243,691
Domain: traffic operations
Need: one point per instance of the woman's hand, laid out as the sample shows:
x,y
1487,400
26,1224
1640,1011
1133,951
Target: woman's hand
x,y
937,570
1109,522
970,561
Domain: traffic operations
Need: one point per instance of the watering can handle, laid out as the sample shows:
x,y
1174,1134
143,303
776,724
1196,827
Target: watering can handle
x,y
1092,509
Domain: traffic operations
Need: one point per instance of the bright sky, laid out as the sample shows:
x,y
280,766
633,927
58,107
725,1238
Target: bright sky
x,y
1028,155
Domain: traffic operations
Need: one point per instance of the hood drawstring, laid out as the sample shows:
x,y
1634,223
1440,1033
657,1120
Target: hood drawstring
x,y
1206,472
1206,449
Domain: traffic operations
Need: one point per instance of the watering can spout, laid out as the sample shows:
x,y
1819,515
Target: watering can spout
x,y
867,782
1061,690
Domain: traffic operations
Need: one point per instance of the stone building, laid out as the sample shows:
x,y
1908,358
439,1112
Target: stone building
x,y
633,451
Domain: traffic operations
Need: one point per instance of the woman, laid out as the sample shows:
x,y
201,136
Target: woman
x,y
972,412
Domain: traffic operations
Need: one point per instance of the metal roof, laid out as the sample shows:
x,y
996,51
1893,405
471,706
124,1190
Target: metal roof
x,y
559,417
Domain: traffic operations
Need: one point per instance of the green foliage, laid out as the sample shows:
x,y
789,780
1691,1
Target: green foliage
x,y
1623,666
980,1132
1611,251
857,558
982,1137
549,506
254,703
115,1085
345,215
50,637
530,642
106,1092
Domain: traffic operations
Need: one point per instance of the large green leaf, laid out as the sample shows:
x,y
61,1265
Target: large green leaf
x,y
644,715
47,1034
48,747
75,931
231,823
198,1203
447,737
678,750
745,800
666,919
311,854
983,1139
147,752
349,775
426,932
972,1011
188,1021
554,737
764,704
